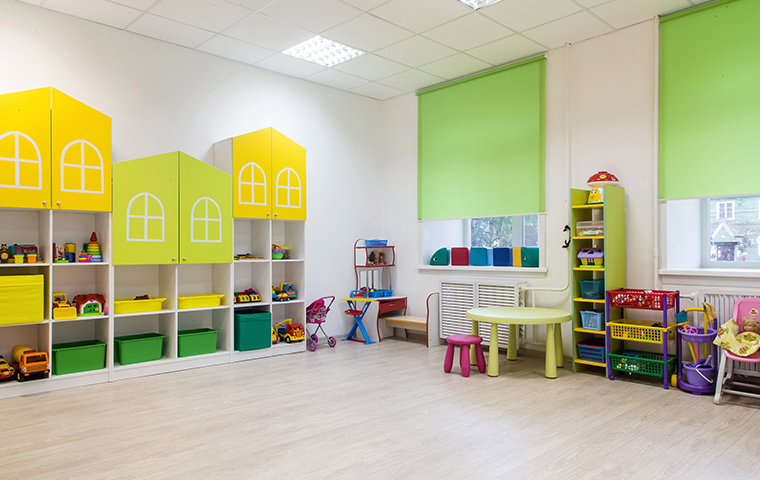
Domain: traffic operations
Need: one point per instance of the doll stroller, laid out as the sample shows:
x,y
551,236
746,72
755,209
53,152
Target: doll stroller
x,y
316,313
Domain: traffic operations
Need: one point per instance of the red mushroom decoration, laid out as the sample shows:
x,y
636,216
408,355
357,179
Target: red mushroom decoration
x,y
596,182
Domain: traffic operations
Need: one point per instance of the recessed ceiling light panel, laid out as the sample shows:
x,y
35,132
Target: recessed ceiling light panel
x,y
323,51
476,4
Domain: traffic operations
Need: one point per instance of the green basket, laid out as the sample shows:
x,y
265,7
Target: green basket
x,y
145,347
253,331
199,341
76,357
646,363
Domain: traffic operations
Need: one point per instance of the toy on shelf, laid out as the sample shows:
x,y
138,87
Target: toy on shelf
x,y
243,256
596,182
62,309
70,252
30,364
275,338
6,371
93,249
247,296
279,296
372,258
90,304
59,255
5,253
591,257
280,253
290,332
287,288
84,257
316,313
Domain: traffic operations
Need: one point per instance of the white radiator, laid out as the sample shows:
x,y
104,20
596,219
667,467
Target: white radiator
x,y
458,296
723,303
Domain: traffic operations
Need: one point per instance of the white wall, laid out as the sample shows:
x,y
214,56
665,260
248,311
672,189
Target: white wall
x,y
600,97
165,98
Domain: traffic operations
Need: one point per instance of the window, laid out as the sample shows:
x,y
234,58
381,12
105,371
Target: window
x,y
81,168
20,162
288,186
206,221
713,233
252,185
145,219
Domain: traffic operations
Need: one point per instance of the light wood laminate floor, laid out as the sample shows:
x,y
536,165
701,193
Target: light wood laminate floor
x,y
383,411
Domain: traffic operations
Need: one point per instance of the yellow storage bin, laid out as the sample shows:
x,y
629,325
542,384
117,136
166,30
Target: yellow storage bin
x,y
200,300
22,299
130,305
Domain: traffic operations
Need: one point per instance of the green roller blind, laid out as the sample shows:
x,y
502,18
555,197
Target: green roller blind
x,y
710,101
481,144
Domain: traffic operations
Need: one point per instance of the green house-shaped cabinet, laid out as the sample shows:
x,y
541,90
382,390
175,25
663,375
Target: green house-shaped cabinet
x,y
171,208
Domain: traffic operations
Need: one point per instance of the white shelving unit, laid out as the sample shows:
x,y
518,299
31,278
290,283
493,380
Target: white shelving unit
x,y
45,227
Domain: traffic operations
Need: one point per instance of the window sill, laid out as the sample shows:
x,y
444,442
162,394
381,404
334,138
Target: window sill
x,y
712,272
511,271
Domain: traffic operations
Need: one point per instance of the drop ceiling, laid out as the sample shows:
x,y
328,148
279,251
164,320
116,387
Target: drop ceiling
x,y
409,44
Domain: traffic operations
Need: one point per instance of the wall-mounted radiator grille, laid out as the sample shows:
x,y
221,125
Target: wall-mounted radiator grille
x,y
723,303
459,296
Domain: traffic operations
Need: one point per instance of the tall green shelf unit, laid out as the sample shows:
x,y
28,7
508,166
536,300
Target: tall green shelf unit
x,y
612,272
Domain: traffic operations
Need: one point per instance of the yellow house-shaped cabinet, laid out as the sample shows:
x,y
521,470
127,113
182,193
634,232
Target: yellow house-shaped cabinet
x,y
55,152
268,173
171,208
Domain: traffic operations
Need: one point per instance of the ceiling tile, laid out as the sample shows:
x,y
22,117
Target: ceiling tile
x,y
214,15
411,80
288,65
365,4
416,51
334,78
621,13
311,15
235,50
456,66
99,11
254,5
268,32
169,31
367,33
468,32
371,67
138,4
375,90
521,15
420,15
570,29
507,50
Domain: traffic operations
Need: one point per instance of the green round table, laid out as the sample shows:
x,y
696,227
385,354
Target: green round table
x,y
514,316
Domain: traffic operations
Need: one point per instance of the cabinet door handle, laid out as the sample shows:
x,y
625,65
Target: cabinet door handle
x,y
174,259
267,214
58,203
44,202
184,259
275,214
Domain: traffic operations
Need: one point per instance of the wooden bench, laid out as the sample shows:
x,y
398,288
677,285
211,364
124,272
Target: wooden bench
x,y
415,323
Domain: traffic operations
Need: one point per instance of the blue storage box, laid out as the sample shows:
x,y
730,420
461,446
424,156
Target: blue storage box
x,y
592,289
375,243
592,350
502,257
481,256
593,319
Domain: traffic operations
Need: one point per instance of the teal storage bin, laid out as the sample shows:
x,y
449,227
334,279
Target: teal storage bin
x,y
529,256
144,347
199,341
253,331
481,257
74,357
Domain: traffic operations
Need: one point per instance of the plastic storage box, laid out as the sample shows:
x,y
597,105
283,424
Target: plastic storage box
x,y
22,299
375,243
644,299
253,331
481,256
198,341
76,357
592,289
460,256
591,257
201,300
593,228
646,363
145,347
592,350
502,257
593,319
130,305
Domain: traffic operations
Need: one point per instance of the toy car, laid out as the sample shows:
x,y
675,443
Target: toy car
x,y
6,371
62,309
288,288
292,332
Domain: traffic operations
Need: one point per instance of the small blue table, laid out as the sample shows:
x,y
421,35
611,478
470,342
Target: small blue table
x,y
358,313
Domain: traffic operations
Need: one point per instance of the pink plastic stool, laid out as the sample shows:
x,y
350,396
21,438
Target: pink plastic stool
x,y
464,342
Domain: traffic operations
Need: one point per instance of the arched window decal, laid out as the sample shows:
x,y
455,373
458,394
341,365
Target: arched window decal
x,y
247,180
206,221
27,171
141,225
288,186
81,171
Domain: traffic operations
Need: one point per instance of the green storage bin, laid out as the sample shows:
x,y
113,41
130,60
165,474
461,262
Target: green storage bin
x,y
253,331
145,347
76,357
198,341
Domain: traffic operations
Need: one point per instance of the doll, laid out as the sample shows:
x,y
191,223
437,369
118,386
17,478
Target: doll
x,y
372,259
381,258
750,324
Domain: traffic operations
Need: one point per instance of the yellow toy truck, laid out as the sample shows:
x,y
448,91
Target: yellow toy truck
x,y
30,364
291,332
62,309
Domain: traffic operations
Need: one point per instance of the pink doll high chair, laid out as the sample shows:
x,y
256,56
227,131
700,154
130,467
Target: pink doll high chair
x,y
725,383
